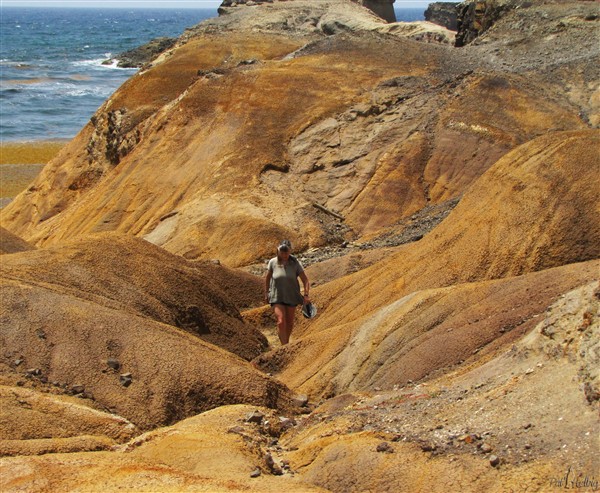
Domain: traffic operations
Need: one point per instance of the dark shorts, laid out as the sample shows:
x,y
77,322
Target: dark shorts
x,y
284,304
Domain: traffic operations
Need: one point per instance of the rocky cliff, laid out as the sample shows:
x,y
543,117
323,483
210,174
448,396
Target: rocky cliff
x,y
383,8
476,17
443,200
442,13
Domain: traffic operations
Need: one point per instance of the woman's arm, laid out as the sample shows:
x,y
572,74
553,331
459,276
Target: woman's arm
x,y
305,283
267,285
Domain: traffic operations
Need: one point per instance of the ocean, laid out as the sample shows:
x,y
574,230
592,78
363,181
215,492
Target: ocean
x,y
52,79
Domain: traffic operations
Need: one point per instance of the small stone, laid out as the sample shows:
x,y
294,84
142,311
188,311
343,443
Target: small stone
x,y
486,448
255,473
273,467
113,363
77,388
494,460
236,429
255,417
126,379
286,423
18,362
385,447
428,447
301,400
34,372
468,438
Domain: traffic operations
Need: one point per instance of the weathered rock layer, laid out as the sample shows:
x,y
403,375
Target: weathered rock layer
x,y
453,193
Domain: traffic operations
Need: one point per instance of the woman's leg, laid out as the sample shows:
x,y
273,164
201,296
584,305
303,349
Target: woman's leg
x,y
290,312
279,311
285,321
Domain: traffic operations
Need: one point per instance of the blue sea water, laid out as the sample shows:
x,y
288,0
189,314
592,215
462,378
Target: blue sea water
x,y
407,14
52,79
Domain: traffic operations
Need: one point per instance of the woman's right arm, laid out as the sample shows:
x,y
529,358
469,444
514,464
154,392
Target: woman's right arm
x,y
267,285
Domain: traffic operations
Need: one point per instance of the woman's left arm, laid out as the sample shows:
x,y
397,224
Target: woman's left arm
x,y
305,283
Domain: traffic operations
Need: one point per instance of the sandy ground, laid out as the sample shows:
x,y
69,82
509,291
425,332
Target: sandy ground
x,y
20,163
29,152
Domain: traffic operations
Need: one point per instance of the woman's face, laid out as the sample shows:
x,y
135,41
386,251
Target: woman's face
x,y
284,254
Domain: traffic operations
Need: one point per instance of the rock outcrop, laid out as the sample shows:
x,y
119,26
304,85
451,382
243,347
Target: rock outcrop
x,y
487,236
412,101
443,200
215,451
383,8
141,55
134,276
36,423
469,421
130,328
443,13
474,17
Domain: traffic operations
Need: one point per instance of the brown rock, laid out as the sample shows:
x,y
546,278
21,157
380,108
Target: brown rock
x,y
385,447
486,448
255,417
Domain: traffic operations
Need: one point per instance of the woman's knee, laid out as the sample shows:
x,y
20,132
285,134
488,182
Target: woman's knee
x,y
279,312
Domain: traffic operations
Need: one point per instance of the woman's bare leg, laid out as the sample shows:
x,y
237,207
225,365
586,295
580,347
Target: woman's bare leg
x,y
290,312
279,311
285,321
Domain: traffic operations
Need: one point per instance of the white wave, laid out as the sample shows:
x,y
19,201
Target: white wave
x,y
12,63
102,63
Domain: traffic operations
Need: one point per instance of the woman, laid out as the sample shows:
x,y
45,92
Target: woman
x,y
282,289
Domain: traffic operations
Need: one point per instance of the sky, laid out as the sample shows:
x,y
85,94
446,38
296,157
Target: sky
x,y
177,4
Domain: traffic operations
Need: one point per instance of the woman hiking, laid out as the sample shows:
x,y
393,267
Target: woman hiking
x,y
282,289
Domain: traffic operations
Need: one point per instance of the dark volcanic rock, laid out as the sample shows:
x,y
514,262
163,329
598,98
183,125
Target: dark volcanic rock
x,y
146,53
442,14
383,8
476,17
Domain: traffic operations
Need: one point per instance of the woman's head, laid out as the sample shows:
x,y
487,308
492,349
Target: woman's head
x,y
284,250
285,246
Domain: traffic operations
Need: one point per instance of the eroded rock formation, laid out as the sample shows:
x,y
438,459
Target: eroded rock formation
x,y
444,202
442,13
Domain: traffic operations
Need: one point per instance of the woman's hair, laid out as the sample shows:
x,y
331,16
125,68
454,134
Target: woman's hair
x,y
285,246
